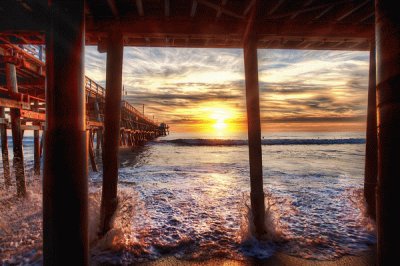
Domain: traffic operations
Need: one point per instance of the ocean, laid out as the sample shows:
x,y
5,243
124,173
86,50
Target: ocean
x,y
187,196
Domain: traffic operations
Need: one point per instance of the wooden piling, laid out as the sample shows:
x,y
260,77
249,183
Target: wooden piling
x,y
36,146
99,131
387,36
42,144
4,150
65,184
15,115
254,129
91,152
112,117
371,151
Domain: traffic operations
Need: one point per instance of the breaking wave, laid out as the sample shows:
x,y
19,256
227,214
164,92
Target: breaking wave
x,y
232,142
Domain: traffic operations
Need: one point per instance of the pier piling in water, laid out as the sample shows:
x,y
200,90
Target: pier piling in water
x,y
4,149
387,30
15,115
371,151
65,184
91,151
112,132
254,127
36,145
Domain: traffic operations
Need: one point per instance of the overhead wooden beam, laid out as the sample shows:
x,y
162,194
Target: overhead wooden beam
x,y
139,5
248,7
368,16
219,12
274,7
327,6
113,7
34,21
167,4
320,15
306,3
219,8
193,9
187,27
351,11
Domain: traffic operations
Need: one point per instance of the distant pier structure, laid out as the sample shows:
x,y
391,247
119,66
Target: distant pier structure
x,y
164,129
66,26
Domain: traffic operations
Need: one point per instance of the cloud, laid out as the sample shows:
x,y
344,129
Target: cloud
x,y
295,86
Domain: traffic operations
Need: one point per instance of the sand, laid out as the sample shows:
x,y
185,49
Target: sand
x,y
279,259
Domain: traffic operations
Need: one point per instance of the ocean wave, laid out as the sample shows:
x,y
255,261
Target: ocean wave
x,y
231,142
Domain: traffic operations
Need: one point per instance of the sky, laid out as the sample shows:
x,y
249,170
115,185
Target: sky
x,y
202,90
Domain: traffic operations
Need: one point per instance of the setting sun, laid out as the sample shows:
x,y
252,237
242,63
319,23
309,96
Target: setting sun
x,y
219,115
220,118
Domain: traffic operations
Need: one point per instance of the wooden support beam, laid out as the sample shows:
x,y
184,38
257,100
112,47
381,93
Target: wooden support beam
x,y
99,137
139,6
219,8
347,13
4,150
387,26
219,11
182,28
31,127
112,116
33,115
11,103
91,151
366,17
167,8
193,8
254,125
65,180
275,6
371,152
306,8
323,12
248,7
113,7
36,146
15,115
306,4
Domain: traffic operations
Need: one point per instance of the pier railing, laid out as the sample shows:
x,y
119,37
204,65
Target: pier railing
x,y
32,90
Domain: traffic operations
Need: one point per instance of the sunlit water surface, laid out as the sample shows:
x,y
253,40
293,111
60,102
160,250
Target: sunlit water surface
x,y
190,198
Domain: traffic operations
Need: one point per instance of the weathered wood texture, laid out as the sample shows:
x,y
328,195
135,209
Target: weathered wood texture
x,y
388,108
112,116
65,183
371,152
15,116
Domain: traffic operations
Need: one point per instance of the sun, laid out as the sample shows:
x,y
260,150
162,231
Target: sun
x,y
220,125
219,115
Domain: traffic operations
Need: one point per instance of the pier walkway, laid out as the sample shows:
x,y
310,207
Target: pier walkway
x,y
22,89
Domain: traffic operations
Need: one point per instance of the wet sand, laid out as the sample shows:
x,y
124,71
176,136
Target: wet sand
x,y
278,259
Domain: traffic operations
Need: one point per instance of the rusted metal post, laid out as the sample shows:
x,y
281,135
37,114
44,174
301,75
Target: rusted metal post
x,y
4,150
15,114
65,184
112,115
254,132
387,30
371,152
36,146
